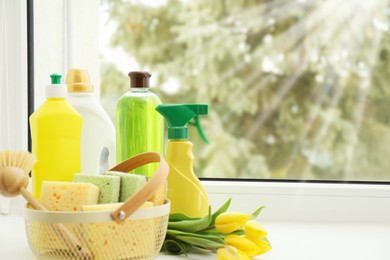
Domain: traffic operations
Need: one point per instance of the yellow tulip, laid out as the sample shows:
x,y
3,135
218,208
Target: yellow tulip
x,y
228,222
231,253
262,245
254,229
243,255
242,244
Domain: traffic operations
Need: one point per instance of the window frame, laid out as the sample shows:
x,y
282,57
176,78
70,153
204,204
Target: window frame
x,y
302,201
284,200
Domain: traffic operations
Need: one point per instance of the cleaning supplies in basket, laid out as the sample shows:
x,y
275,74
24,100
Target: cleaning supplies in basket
x,y
109,231
139,128
98,132
186,192
55,134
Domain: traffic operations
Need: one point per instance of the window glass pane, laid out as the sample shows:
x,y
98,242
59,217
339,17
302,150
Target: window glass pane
x,y
297,89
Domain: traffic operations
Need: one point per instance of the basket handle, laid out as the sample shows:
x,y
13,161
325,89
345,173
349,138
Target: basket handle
x,y
148,190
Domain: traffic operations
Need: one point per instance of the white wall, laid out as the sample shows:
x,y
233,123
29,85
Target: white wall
x,y
13,75
13,80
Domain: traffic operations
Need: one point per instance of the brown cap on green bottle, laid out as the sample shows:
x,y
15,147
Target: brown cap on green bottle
x,y
139,79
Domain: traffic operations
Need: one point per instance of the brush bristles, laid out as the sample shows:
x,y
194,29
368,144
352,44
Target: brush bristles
x,y
17,158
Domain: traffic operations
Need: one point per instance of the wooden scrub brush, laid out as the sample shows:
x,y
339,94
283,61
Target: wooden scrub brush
x,y
14,176
14,169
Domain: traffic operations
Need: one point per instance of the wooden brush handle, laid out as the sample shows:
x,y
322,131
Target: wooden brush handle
x,y
69,239
148,190
31,199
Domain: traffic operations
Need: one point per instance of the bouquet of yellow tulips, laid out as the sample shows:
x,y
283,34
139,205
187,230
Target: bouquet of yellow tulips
x,y
232,235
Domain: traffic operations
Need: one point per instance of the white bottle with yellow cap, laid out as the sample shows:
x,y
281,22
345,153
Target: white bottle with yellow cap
x,y
98,131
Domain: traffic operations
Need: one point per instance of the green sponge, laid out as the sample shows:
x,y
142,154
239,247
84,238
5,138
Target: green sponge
x,y
130,183
108,186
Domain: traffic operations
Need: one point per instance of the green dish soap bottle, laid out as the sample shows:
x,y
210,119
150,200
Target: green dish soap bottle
x,y
139,127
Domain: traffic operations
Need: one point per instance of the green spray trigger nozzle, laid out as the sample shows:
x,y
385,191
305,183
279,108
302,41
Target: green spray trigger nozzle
x,y
178,116
200,129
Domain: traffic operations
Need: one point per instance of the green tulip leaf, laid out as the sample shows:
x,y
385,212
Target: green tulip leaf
x,y
177,234
179,217
239,232
191,225
211,231
266,240
202,241
257,212
176,247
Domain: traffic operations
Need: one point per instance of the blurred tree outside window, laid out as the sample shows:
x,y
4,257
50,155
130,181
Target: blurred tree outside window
x,y
296,89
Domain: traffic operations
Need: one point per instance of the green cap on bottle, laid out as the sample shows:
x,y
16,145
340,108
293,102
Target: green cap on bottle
x,y
55,79
55,89
178,116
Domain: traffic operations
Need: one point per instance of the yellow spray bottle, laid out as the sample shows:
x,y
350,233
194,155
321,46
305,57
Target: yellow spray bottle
x,y
185,191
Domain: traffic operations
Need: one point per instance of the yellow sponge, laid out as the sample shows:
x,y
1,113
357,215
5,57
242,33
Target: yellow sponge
x,y
68,196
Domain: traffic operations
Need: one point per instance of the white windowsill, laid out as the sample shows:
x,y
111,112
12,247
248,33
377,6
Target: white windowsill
x,y
304,221
290,240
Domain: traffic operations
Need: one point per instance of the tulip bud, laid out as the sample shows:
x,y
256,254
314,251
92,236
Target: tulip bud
x,y
231,253
254,229
243,244
262,245
228,222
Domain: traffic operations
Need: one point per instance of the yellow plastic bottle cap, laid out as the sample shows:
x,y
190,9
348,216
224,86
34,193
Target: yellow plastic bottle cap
x,y
77,80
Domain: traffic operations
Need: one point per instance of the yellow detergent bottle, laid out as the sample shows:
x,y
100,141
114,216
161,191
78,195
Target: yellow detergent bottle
x,y
185,191
55,134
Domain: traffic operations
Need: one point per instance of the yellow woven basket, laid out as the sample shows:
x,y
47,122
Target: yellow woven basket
x,y
130,232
